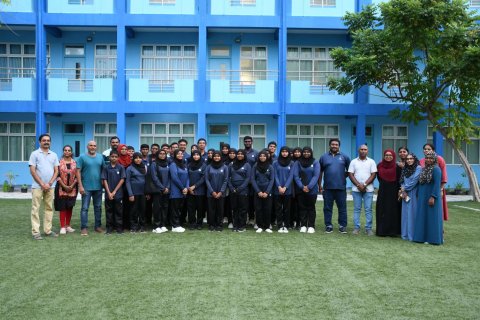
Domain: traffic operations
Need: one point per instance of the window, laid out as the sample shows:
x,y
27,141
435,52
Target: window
x,y
253,63
323,3
310,64
315,136
475,3
75,50
394,137
168,62
16,61
163,2
220,52
256,131
17,140
471,150
106,61
166,132
243,2
103,131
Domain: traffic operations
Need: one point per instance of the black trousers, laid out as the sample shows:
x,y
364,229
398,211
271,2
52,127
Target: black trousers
x,y
215,212
294,211
160,210
263,211
228,209
137,213
306,209
148,211
176,205
282,210
239,204
251,203
114,214
126,210
196,209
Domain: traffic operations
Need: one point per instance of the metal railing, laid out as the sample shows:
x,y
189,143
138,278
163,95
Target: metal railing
x,y
323,3
9,73
161,74
242,75
316,78
250,3
475,3
81,73
162,2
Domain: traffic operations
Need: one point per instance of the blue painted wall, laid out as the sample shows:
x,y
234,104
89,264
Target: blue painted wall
x,y
17,6
62,6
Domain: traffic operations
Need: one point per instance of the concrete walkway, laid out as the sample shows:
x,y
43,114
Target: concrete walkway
x,y
28,195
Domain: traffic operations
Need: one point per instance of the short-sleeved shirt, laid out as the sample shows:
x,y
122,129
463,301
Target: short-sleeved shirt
x,y
113,175
91,170
334,168
362,169
44,164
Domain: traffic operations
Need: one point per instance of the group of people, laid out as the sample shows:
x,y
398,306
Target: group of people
x,y
167,188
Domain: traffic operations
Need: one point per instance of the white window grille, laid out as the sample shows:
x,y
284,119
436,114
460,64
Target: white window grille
x,y
323,3
394,136
102,133
159,132
17,140
17,60
315,136
106,61
253,63
471,150
257,131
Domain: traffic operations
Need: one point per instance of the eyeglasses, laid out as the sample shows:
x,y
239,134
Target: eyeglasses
x,y
410,159
388,155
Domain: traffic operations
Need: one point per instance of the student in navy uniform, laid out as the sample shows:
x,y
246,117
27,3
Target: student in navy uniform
x,y
146,159
216,178
135,181
202,144
262,179
306,174
228,216
294,217
196,200
251,156
179,183
283,188
239,178
113,178
272,148
224,149
160,174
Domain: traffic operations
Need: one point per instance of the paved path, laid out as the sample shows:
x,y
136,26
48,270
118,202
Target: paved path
x,y
28,195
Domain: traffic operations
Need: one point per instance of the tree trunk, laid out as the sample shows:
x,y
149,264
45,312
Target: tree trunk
x,y
472,177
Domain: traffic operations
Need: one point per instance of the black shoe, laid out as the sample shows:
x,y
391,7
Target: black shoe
x,y
133,231
142,230
211,228
342,230
241,230
219,229
120,231
328,229
192,227
199,227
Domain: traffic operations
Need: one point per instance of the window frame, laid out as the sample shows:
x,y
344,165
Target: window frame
x,y
243,76
395,137
312,136
190,137
111,60
25,155
106,134
252,134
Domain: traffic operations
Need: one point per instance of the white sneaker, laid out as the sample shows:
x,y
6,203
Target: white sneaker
x,y
63,231
259,230
285,230
311,230
164,229
157,230
303,229
280,230
225,220
255,226
268,230
251,222
204,220
230,226
178,229
70,229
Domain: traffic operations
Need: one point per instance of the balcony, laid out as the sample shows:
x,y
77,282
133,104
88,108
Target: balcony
x,y
311,87
161,85
17,6
322,8
17,84
377,97
81,6
80,84
243,7
243,85
161,6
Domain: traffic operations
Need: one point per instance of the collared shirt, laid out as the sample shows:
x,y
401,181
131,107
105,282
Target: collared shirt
x,y
334,168
91,170
44,164
362,169
113,175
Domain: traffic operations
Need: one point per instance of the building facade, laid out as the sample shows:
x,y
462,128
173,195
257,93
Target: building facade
x,y
159,70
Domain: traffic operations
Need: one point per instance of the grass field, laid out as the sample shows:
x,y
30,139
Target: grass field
x,y
202,275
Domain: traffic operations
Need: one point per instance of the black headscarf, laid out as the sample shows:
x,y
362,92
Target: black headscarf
x,y
179,163
426,175
216,164
307,162
293,153
140,167
161,162
194,165
284,161
263,166
408,170
209,160
229,161
237,164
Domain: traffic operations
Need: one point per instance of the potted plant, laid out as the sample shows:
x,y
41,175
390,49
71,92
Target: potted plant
x,y
24,188
458,187
10,175
5,186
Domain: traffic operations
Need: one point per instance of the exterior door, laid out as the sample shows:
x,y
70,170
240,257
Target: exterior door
x,y
368,141
219,68
218,134
74,135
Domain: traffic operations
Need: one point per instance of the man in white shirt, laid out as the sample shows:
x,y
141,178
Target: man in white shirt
x,y
362,172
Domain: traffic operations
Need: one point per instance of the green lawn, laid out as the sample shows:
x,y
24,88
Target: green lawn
x,y
202,275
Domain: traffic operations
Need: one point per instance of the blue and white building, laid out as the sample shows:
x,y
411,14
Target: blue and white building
x,y
159,70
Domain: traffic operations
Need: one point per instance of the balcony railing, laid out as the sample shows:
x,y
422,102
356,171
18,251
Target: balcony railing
x,y
161,74
316,78
242,75
9,73
81,73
